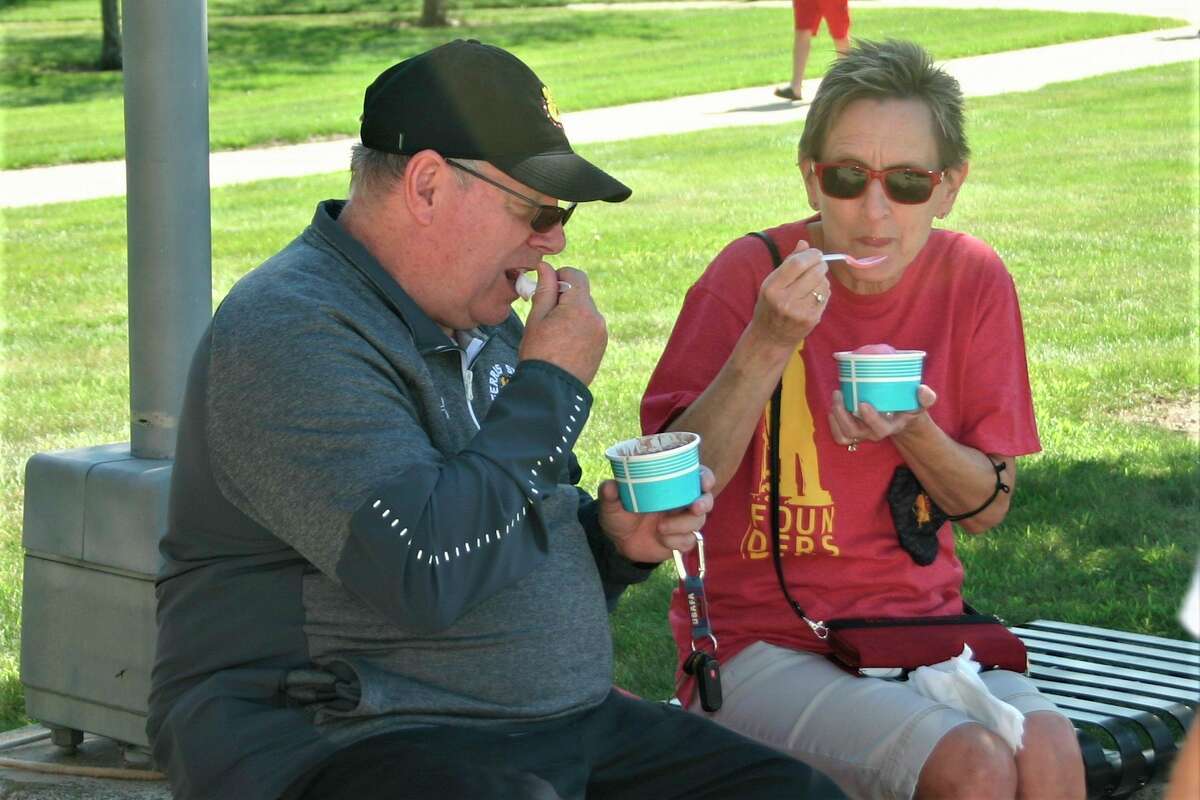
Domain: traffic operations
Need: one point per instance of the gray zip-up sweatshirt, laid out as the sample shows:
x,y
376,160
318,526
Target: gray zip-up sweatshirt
x,y
372,526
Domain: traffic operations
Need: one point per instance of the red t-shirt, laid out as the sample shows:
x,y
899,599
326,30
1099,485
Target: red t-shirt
x,y
840,551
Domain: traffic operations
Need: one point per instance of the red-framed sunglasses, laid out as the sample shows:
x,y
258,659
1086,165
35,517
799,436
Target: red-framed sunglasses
x,y
907,185
545,218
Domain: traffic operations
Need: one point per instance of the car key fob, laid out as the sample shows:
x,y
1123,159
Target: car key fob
x,y
707,671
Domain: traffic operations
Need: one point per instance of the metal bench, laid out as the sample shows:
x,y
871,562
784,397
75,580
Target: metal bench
x,y
1140,690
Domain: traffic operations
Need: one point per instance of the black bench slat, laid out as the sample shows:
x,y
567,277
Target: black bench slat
x,y
1114,659
1177,711
1160,735
1114,635
1129,685
1107,681
1102,768
1117,649
1134,766
1092,668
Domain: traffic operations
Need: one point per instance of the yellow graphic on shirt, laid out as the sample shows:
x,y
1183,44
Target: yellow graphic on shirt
x,y
806,510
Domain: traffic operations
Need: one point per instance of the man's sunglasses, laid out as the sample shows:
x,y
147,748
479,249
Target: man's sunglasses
x,y
906,185
545,218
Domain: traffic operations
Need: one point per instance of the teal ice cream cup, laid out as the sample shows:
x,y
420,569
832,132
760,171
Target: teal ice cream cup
x,y
888,381
658,472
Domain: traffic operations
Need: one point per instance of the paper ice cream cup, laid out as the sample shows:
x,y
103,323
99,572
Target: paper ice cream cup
x,y
888,381
658,472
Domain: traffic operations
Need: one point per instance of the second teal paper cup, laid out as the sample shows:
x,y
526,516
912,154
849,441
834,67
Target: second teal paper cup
x,y
658,472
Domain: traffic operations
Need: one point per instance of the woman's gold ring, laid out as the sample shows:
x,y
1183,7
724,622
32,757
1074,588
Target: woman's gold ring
x,y
820,297
853,446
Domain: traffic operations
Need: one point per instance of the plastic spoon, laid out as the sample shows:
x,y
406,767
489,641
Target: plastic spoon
x,y
869,261
526,286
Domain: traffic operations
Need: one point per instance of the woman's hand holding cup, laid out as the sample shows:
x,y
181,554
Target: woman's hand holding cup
x,y
871,425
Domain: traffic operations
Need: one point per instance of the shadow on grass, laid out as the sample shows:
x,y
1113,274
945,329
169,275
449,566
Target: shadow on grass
x,y
1099,542
246,47
244,52
56,69
17,5
230,8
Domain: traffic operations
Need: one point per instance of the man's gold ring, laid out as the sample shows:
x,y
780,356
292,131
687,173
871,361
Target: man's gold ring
x,y
820,297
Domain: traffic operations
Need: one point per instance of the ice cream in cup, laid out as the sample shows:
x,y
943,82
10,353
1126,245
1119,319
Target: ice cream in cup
x,y
881,375
657,472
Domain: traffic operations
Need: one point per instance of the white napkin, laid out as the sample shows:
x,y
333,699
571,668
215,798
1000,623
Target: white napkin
x,y
956,683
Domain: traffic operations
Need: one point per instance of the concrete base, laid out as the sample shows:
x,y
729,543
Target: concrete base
x,y
93,751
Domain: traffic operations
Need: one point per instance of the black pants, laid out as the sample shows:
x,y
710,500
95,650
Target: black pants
x,y
624,749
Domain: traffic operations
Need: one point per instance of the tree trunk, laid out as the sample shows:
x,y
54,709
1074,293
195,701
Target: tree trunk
x,y
110,41
433,14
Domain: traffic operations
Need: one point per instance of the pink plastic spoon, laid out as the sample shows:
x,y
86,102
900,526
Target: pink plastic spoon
x,y
861,263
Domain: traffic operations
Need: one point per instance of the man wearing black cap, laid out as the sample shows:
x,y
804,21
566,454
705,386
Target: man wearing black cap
x,y
379,578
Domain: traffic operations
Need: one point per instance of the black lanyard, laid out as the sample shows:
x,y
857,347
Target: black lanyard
x,y
700,664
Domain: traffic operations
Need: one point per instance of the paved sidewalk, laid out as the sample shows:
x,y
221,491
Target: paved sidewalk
x,y
996,73
1179,9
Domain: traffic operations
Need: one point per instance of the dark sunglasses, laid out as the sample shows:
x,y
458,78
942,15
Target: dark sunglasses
x,y
906,185
545,218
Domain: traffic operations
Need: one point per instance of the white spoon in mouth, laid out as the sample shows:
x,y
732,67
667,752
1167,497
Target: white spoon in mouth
x,y
869,261
526,286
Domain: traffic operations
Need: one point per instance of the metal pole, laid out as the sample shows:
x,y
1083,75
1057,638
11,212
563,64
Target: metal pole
x,y
168,218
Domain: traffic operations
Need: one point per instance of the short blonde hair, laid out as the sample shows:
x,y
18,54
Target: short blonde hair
x,y
890,70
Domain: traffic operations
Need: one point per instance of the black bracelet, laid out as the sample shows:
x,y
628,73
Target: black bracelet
x,y
1001,486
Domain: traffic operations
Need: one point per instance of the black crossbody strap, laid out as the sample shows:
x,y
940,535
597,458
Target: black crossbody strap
x,y
776,258
773,459
773,464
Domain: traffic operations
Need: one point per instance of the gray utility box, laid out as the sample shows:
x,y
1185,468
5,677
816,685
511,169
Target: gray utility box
x,y
93,520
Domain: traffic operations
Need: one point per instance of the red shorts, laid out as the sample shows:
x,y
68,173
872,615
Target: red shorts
x,y
808,14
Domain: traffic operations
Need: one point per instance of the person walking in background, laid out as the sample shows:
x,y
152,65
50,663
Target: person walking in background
x,y
808,15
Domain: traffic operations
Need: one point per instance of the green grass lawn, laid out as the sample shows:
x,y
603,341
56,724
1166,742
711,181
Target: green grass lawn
x,y
1103,246
63,10
288,78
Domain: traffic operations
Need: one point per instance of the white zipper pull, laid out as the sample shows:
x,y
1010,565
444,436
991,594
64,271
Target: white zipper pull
x,y
465,358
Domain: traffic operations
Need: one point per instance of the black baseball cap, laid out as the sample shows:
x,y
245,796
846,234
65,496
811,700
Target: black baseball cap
x,y
470,100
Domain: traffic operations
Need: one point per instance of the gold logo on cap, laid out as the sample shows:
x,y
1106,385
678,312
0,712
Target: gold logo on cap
x,y
550,106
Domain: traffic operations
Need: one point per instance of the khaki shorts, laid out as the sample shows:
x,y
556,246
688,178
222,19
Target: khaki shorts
x,y
872,736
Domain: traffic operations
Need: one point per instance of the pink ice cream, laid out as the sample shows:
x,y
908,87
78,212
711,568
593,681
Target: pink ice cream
x,y
876,349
